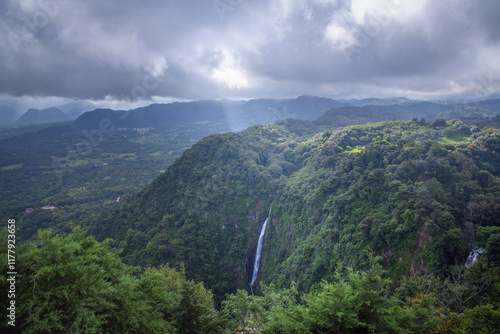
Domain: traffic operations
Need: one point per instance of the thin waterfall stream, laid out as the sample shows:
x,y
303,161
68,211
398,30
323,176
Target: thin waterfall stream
x,y
258,252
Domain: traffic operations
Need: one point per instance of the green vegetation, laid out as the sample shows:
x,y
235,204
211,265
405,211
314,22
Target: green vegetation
x,y
215,197
11,167
403,197
74,284
449,140
52,167
357,149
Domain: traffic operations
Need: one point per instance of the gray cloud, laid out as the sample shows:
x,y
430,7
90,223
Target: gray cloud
x,y
131,49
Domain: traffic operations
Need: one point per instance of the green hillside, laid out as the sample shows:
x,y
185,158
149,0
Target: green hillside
x,y
403,190
207,207
414,193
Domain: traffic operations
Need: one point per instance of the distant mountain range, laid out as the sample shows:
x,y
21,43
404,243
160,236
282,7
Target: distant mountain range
x,y
62,113
238,115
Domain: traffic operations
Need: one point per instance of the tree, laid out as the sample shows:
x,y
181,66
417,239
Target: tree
x,y
75,284
251,313
196,312
481,319
355,303
419,314
493,248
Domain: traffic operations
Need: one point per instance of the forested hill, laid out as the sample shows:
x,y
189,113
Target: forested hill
x,y
419,194
207,207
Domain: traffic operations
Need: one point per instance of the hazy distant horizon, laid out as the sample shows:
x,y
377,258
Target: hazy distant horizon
x,y
21,105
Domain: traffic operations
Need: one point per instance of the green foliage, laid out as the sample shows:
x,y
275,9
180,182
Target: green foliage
x,y
206,208
74,284
481,319
196,313
403,197
465,288
363,302
356,302
251,313
52,167
418,315
493,248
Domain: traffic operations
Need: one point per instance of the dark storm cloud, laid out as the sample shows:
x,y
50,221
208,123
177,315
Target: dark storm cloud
x,y
135,49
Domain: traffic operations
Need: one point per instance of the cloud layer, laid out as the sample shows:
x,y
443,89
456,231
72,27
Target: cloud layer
x,y
131,49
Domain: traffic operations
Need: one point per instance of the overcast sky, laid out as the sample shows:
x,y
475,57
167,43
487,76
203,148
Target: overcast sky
x,y
122,50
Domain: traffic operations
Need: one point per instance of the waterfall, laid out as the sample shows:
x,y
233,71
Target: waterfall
x,y
474,256
258,252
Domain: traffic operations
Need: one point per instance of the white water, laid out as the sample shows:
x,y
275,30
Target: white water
x,y
258,252
474,256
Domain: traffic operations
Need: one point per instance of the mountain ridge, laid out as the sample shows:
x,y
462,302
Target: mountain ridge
x,y
49,115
